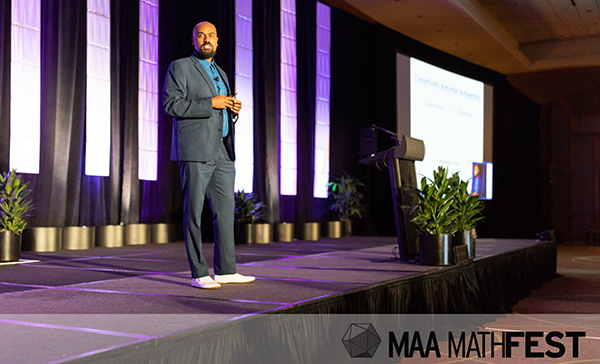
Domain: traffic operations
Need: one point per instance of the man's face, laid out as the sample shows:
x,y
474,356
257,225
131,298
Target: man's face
x,y
205,40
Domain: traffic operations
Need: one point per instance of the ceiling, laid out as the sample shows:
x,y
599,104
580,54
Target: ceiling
x,y
508,36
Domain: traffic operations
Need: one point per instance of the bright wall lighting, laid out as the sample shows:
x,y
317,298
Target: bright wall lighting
x,y
148,91
25,86
322,101
289,115
97,147
244,133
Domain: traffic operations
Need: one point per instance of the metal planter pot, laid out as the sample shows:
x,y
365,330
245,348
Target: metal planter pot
x,y
163,233
41,239
10,247
78,237
435,249
244,233
284,232
137,234
263,233
110,236
465,238
348,228
310,231
333,229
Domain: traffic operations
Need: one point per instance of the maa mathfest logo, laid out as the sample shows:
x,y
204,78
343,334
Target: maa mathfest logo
x,y
362,340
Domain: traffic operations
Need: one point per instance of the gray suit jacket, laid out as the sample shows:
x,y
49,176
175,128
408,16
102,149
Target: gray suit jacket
x,y
197,127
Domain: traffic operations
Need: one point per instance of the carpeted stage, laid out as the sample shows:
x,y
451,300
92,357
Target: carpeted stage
x,y
135,304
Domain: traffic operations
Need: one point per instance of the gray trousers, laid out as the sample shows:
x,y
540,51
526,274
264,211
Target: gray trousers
x,y
215,181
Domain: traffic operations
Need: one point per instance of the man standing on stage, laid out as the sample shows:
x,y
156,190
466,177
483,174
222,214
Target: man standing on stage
x,y
197,95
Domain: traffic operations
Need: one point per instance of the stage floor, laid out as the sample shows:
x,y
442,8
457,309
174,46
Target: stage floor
x,y
68,305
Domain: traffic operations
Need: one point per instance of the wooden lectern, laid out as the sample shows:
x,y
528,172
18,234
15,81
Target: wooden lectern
x,y
400,161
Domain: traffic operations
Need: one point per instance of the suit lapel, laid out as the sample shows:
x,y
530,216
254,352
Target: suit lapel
x,y
204,75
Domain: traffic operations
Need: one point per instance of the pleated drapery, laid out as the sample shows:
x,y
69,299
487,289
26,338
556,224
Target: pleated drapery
x,y
266,28
307,45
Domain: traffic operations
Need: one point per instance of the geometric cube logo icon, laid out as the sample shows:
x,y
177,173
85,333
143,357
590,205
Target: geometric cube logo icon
x,y
361,340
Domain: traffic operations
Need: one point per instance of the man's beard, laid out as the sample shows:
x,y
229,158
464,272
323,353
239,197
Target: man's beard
x,y
204,54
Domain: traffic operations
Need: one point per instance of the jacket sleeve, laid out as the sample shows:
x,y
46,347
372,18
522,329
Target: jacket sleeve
x,y
176,100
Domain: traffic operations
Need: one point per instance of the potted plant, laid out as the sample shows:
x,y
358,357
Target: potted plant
x,y
346,200
434,218
247,213
14,207
467,208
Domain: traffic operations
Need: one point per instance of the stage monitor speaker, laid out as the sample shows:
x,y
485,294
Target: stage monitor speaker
x,y
368,141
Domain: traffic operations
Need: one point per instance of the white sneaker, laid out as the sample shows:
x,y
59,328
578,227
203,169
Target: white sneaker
x,y
205,282
233,278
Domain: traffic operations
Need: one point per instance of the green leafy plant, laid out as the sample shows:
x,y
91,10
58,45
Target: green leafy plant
x,y
434,211
345,198
247,209
467,207
13,204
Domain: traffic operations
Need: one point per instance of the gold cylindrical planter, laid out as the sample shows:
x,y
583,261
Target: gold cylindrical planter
x,y
110,236
137,234
244,233
310,231
284,232
41,239
77,237
333,229
10,246
348,229
263,233
163,233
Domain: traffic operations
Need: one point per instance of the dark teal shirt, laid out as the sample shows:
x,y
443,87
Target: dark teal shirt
x,y
220,86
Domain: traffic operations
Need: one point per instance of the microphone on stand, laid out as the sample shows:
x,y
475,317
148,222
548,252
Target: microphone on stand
x,y
394,135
